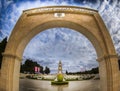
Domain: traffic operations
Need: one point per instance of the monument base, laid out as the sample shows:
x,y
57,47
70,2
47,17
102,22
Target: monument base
x,y
59,83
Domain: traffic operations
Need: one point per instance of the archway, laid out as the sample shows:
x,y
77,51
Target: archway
x,y
73,49
85,21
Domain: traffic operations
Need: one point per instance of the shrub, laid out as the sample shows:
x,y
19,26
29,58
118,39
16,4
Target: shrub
x,y
60,77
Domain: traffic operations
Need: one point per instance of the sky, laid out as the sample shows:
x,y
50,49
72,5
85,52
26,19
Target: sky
x,y
72,48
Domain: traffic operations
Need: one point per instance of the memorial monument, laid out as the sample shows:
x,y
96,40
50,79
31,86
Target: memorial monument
x,y
60,77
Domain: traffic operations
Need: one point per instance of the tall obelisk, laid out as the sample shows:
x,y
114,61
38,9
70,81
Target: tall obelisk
x,y
60,68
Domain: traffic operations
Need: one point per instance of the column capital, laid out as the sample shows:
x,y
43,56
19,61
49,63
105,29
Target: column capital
x,y
12,56
107,57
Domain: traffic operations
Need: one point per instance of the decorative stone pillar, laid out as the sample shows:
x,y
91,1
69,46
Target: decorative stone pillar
x,y
109,73
10,72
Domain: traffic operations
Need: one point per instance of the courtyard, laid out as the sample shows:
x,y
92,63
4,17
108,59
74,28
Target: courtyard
x,y
39,85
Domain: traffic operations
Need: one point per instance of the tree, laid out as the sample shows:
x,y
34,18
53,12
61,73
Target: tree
x,y
119,63
2,49
66,72
47,70
92,71
41,70
29,66
95,70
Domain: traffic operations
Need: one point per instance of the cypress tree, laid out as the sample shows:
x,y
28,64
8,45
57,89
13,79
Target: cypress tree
x,y
2,48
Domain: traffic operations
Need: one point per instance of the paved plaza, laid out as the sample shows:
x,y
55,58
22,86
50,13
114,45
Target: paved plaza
x,y
39,85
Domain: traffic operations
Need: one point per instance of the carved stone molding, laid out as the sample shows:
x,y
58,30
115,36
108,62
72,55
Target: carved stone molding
x,y
59,9
106,57
12,56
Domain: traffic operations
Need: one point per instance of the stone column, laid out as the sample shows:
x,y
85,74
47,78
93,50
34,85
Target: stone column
x,y
109,73
10,72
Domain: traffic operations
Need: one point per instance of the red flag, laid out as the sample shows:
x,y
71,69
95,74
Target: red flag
x,y
36,68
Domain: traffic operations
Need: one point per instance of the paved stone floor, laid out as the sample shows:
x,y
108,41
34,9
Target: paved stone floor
x,y
38,85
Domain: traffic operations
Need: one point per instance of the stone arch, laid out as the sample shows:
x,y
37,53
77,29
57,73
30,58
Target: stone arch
x,y
58,23
86,21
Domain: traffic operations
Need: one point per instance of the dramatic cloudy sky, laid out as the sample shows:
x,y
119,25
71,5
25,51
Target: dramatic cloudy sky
x,y
72,48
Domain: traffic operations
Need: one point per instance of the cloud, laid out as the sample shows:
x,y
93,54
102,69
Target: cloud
x,y
64,44
111,16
